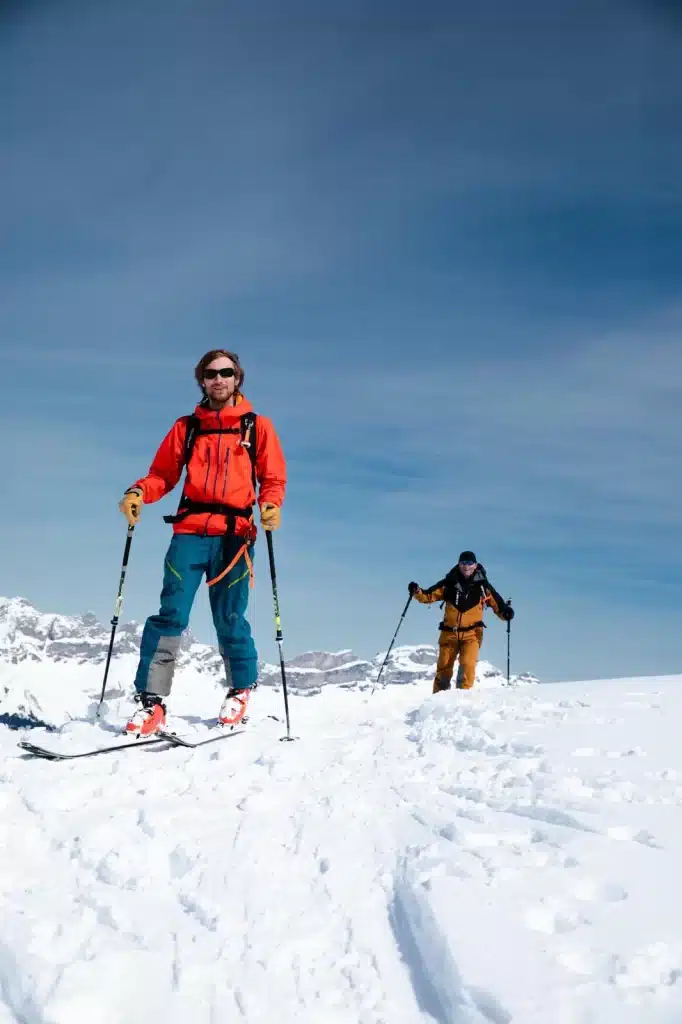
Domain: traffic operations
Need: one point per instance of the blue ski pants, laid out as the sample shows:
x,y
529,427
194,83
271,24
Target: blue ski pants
x,y
189,558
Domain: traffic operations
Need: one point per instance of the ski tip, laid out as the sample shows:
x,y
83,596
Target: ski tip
x,y
35,751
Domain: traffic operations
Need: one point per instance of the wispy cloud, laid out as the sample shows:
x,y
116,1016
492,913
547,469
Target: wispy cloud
x,y
597,419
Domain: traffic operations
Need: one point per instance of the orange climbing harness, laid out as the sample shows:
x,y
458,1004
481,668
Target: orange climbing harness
x,y
244,550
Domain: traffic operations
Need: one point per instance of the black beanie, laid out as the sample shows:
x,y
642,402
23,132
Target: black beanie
x,y
467,556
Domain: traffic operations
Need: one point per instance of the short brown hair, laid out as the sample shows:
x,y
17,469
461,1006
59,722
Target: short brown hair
x,y
208,358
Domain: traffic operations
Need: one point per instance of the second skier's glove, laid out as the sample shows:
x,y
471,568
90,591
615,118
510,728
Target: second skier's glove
x,y
413,588
507,612
270,516
131,505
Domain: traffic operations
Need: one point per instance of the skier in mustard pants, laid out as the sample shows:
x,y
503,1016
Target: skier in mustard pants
x,y
466,592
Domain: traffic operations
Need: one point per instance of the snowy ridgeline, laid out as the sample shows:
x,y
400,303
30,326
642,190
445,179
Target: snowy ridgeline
x,y
74,648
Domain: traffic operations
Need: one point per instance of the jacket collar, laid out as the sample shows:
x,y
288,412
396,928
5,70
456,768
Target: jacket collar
x,y
229,415
478,576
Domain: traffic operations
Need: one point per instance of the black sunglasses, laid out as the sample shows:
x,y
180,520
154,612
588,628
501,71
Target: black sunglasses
x,y
224,371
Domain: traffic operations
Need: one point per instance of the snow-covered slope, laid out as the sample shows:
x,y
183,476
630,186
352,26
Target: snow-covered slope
x,y
499,856
51,666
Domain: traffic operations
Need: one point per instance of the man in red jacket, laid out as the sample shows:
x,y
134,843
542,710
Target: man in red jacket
x,y
227,450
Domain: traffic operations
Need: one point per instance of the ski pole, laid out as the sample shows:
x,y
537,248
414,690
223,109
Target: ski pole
x,y
117,612
278,637
508,643
392,642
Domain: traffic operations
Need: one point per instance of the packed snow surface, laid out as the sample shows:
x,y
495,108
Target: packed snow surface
x,y
499,856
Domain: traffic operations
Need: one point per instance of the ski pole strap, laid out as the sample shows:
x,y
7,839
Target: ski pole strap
x,y
188,507
461,629
244,550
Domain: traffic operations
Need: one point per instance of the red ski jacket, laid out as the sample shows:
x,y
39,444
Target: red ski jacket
x,y
219,470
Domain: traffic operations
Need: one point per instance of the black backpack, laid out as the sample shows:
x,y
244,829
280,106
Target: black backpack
x,y
187,506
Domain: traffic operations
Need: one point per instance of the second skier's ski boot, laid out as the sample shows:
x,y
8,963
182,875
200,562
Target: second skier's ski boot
x,y
234,707
149,717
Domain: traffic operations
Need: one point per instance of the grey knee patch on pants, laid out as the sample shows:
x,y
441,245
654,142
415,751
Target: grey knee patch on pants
x,y
162,666
228,671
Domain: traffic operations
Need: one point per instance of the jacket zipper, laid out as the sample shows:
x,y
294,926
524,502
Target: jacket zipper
x,y
208,473
217,465
227,463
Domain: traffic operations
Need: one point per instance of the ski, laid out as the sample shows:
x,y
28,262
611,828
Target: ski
x,y
179,741
171,738
58,755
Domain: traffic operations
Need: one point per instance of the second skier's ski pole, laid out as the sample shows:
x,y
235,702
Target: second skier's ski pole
x,y
508,643
278,637
117,612
392,642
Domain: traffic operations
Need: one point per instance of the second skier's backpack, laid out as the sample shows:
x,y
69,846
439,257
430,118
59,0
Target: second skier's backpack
x,y
454,589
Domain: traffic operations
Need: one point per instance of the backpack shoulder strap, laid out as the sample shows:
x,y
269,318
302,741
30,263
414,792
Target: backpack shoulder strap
x,y
191,429
453,587
248,441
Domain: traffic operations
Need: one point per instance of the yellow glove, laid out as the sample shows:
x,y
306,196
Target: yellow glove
x,y
131,505
269,517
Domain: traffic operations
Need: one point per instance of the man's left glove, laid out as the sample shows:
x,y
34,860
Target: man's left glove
x,y
507,612
270,516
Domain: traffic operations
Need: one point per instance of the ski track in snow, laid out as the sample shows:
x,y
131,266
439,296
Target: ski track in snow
x,y
494,857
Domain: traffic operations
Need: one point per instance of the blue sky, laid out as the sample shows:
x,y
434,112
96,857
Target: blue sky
x,y
446,241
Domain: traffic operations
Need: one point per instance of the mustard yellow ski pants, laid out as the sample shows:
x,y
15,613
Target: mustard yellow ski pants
x,y
467,646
